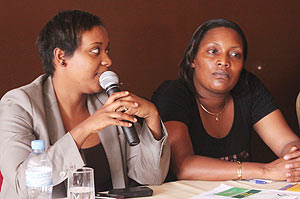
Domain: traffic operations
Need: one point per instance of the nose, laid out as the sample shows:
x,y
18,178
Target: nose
x,y
223,60
106,61
223,63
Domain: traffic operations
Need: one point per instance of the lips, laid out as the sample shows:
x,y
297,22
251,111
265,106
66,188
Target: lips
x,y
220,74
99,74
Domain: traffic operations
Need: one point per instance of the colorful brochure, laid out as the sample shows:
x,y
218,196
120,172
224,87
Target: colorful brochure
x,y
225,192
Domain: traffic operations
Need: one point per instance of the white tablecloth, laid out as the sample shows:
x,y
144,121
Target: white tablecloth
x,y
185,189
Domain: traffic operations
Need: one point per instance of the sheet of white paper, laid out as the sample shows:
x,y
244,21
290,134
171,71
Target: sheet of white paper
x,y
226,192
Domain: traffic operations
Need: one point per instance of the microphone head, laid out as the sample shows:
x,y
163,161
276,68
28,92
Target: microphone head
x,y
107,79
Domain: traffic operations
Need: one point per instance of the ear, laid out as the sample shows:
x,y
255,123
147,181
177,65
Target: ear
x,y
59,57
193,65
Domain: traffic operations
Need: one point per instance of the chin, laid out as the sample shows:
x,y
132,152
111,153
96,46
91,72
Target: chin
x,y
94,90
222,86
98,90
221,90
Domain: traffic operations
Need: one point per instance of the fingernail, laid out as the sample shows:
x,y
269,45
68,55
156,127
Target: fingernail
x,y
126,92
130,124
136,104
287,166
135,119
288,174
294,148
285,157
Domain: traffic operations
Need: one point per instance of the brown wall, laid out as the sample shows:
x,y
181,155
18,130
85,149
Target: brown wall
x,y
148,38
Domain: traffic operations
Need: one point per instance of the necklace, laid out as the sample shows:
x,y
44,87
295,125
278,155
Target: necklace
x,y
214,114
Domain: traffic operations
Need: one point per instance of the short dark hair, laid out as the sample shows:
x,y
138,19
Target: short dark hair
x,y
186,71
64,31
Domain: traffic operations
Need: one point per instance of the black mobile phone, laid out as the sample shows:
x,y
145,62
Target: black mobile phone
x,y
107,195
132,192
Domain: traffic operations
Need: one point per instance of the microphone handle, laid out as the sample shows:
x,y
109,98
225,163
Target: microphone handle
x,y
130,132
114,88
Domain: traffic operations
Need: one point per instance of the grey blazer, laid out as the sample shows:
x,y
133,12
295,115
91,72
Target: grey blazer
x,y
31,112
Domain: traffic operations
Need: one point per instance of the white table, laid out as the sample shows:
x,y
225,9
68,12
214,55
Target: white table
x,y
185,189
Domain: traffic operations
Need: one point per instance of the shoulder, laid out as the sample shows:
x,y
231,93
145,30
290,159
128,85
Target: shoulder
x,y
174,101
253,81
172,84
256,86
172,88
24,95
22,104
256,98
251,89
247,84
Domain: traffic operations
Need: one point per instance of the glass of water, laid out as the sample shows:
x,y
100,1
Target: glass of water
x,y
81,184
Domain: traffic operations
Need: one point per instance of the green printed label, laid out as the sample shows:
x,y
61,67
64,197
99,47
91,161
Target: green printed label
x,y
246,194
232,192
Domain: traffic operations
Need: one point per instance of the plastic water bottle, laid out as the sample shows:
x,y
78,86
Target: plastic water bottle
x,y
38,172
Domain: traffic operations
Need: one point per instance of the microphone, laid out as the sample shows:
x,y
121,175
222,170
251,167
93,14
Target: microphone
x,y
109,82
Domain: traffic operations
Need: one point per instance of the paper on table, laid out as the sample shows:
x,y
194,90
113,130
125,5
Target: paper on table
x,y
291,187
225,191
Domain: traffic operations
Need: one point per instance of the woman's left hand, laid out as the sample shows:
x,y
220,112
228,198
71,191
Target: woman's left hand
x,y
293,165
144,109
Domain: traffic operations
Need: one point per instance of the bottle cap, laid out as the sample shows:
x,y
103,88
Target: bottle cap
x,y
38,144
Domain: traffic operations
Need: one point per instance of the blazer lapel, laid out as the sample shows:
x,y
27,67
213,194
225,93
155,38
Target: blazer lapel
x,y
55,125
110,140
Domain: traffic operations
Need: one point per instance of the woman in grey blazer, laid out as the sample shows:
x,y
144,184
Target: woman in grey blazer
x,y
67,108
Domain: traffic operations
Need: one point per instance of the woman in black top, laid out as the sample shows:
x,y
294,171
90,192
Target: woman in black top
x,y
211,110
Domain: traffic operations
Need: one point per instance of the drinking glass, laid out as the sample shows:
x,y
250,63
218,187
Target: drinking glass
x,y
81,184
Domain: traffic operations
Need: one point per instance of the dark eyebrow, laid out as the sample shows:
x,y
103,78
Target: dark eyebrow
x,y
219,45
100,43
214,43
237,47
